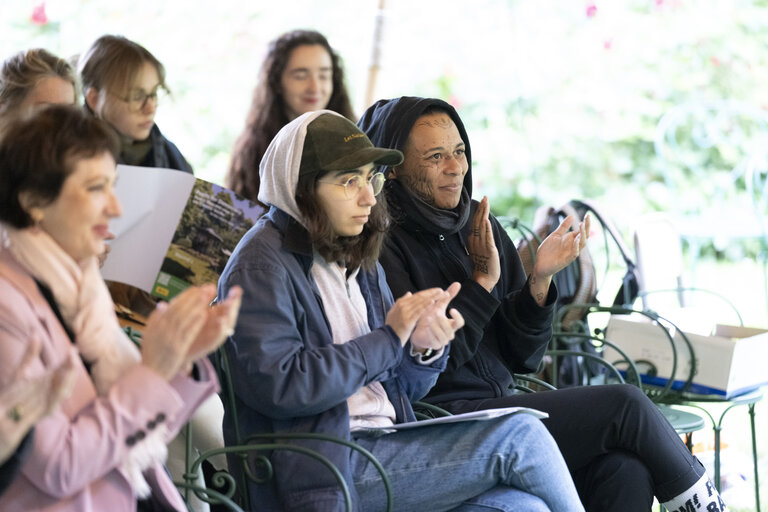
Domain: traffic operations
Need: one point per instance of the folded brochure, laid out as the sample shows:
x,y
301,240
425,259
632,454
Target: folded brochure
x,y
485,414
176,230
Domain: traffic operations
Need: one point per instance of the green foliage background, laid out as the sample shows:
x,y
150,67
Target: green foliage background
x,y
561,98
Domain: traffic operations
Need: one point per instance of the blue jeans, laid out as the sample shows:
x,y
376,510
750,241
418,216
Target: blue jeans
x,y
591,422
503,464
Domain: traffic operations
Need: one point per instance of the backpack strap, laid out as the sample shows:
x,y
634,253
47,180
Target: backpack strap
x,y
586,291
629,288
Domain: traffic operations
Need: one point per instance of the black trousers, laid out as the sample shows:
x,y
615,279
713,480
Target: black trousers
x,y
619,448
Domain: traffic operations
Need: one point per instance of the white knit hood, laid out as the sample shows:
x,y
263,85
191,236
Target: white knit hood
x,y
279,169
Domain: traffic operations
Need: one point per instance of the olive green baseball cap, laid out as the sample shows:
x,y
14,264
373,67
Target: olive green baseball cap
x,y
334,143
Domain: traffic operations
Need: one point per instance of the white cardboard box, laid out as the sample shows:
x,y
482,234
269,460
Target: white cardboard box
x,y
729,362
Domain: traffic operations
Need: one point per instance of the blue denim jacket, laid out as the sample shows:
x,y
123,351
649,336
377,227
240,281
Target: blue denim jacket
x,y
290,377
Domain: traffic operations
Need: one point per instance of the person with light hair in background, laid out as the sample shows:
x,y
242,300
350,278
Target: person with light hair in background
x,y
123,84
31,78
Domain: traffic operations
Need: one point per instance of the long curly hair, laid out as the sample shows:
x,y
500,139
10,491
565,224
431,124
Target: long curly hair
x,y
267,113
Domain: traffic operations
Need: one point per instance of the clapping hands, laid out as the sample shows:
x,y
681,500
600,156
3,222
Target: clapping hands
x,y
561,247
434,330
421,317
482,248
26,400
187,328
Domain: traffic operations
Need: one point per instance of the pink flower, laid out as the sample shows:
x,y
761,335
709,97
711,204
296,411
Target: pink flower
x,y
38,15
591,10
608,44
455,102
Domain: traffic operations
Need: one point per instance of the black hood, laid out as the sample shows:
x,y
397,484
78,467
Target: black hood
x,y
388,124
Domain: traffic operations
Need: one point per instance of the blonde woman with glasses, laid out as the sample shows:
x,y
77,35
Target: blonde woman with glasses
x,y
123,84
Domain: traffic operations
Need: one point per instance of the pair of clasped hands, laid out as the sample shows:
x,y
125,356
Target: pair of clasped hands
x,y
421,318
181,331
187,329
177,334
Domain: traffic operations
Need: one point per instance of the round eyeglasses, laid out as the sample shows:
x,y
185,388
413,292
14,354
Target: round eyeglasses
x,y
354,184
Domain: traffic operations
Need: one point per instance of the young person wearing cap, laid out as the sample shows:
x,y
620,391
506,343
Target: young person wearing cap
x,y
321,346
619,447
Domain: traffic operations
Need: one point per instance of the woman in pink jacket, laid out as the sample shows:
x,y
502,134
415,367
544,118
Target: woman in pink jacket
x,y
103,447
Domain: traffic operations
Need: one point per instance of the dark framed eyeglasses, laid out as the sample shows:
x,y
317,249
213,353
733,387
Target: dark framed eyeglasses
x,y
137,100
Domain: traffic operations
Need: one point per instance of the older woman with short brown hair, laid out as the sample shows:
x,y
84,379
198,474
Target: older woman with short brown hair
x,y
103,448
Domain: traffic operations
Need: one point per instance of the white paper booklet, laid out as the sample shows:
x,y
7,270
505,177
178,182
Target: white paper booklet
x,y
175,230
456,418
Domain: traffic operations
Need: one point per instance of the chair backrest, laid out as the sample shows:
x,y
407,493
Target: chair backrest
x,y
249,445
578,282
663,286
659,255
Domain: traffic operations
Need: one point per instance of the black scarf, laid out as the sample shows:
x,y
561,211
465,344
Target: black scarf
x,y
409,208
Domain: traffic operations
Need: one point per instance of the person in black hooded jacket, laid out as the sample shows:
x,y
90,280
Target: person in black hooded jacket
x,y
618,446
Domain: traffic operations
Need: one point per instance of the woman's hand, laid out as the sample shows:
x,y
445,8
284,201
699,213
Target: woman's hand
x,y
482,248
407,309
555,253
434,330
180,332
561,247
26,400
173,328
219,325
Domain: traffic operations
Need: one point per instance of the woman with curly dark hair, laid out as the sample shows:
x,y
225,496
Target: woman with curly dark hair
x,y
301,73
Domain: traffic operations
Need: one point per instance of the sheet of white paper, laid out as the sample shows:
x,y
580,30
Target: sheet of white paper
x,y
152,200
456,418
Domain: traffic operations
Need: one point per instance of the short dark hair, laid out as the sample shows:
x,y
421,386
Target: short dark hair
x,y
355,251
38,153
267,113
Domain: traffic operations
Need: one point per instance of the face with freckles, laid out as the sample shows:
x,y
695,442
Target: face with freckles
x,y
78,219
435,161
